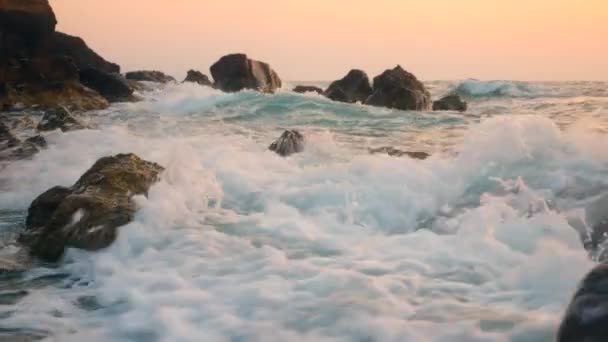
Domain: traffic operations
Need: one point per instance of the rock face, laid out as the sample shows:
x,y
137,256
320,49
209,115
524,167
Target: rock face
x,y
149,76
399,89
354,87
87,214
59,118
450,102
289,142
307,89
237,72
586,319
112,86
196,76
393,152
62,44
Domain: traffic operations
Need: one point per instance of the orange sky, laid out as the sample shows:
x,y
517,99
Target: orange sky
x,y
323,39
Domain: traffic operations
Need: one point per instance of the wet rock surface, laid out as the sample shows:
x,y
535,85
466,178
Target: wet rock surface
x,y
393,152
450,102
354,87
237,72
288,143
399,89
149,76
196,76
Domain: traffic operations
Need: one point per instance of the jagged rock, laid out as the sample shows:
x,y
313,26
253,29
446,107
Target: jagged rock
x,y
149,76
289,142
63,44
450,102
586,319
354,87
59,118
196,76
393,152
307,89
237,72
87,214
112,86
399,89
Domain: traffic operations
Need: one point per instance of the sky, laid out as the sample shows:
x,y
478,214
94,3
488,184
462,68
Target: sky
x,y
533,40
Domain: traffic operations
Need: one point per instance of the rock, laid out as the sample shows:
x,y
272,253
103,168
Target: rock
x,y
87,214
354,87
59,118
289,142
32,18
70,94
196,76
399,89
237,72
62,44
149,76
112,86
37,140
450,102
393,152
586,319
7,140
12,148
307,89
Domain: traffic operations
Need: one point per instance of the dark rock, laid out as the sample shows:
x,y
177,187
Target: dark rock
x,y
354,87
37,140
307,89
237,72
12,148
586,319
289,142
393,152
7,140
45,71
62,44
399,89
112,86
59,118
196,76
71,94
87,214
32,18
450,102
149,76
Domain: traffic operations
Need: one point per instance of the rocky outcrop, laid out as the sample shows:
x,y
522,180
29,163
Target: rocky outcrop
x,y
112,86
236,72
354,87
289,142
87,214
196,76
149,76
586,319
12,148
31,18
450,102
393,152
62,44
59,118
399,89
307,89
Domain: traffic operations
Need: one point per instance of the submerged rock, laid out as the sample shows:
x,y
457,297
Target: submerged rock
x,y
307,89
59,118
450,102
196,76
393,152
586,319
289,142
149,76
354,87
237,72
112,86
88,214
399,89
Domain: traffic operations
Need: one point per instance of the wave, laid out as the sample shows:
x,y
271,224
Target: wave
x,y
475,88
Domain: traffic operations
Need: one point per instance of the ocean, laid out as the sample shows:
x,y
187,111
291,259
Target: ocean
x,y
477,243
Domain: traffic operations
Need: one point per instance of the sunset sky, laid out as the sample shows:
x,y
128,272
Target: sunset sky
x,y
323,39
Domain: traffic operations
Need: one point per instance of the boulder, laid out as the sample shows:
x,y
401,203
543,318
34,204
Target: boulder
x,y
393,152
307,89
196,76
354,87
237,72
62,44
59,118
586,319
112,86
399,89
87,215
289,142
31,18
450,102
149,76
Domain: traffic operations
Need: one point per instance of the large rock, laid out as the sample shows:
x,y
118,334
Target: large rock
x,y
32,18
354,87
399,89
149,76
62,44
112,86
87,214
450,102
59,118
307,89
237,72
586,319
196,76
289,142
